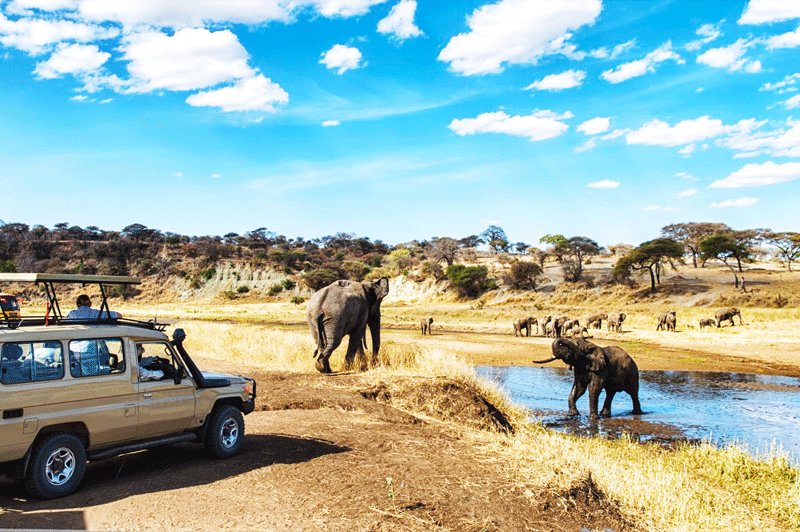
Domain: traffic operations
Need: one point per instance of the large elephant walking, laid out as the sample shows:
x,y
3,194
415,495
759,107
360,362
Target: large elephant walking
x,y
346,308
599,368
727,314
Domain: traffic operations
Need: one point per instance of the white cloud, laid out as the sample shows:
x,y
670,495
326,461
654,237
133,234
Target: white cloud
x,y
339,8
516,32
79,98
331,123
792,103
686,176
256,93
215,175
749,140
652,208
640,67
707,33
72,59
191,58
766,11
604,184
731,57
686,151
658,133
784,85
400,21
106,100
178,174
595,126
689,192
789,39
739,202
556,82
537,126
37,36
759,175
342,58
603,53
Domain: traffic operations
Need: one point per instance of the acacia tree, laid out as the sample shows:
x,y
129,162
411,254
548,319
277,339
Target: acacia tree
x,y
787,243
496,238
443,249
525,275
692,233
724,247
571,252
652,256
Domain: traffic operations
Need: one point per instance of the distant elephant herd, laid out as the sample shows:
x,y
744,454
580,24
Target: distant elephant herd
x,y
349,308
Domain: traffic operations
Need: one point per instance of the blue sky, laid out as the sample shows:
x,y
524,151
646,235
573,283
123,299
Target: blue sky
x,y
401,120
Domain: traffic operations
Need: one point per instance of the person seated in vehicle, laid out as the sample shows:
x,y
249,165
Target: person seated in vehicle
x,y
12,368
86,312
149,367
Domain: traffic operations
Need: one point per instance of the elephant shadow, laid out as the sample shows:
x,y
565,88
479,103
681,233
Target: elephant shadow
x,y
153,471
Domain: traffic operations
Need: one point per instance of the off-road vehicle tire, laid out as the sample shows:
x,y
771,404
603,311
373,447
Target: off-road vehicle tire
x,y
56,467
225,432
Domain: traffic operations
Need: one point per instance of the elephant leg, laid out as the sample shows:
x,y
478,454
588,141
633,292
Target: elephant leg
x,y
323,360
354,347
606,411
578,389
634,393
595,387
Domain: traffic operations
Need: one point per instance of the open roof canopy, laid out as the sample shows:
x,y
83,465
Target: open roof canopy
x,y
67,278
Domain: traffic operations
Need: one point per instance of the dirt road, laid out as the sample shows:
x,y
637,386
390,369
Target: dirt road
x,y
320,457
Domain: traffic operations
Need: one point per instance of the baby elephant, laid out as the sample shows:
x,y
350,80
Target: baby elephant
x,y
667,320
708,322
526,324
425,326
599,368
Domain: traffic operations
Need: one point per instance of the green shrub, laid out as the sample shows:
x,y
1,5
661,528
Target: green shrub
x,y
242,290
229,294
288,284
275,289
355,269
470,281
319,278
298,300
208,273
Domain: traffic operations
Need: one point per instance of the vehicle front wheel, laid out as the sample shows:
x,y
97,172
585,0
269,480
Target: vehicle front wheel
x,y
57,466
225,432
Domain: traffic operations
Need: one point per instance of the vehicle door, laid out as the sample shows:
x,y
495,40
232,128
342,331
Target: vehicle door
x,y
101,392
164,406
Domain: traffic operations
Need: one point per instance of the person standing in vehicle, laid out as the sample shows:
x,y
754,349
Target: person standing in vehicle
x,y
86,312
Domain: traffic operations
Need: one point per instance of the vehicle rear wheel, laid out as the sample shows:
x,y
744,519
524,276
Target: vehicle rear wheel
x,y
57,466
225,433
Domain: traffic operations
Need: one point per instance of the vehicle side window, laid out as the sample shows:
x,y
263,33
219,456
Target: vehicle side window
x,y
157,361
31,362
97,356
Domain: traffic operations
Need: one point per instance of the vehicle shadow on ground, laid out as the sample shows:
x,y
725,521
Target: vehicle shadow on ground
x,y
152,471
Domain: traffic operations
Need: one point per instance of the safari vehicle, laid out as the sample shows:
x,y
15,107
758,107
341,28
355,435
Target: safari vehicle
x,y
78,390
9,305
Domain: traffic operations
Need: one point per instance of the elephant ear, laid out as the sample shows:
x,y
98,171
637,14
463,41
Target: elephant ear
x,y
596,360
381,287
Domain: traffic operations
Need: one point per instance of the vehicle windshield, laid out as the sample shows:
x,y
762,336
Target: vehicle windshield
x,y
9,303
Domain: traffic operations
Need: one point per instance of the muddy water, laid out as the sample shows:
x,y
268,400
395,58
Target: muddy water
x,y
758,411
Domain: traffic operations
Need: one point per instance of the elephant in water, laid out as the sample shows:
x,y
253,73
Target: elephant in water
x,y
527,325
425,326
667,320
599,368
346,308
727,314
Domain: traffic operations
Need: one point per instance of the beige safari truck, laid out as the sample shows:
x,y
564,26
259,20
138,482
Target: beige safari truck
x,y
73,391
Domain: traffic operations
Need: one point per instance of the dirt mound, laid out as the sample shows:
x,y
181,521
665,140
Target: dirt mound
x,y
443,398
585,500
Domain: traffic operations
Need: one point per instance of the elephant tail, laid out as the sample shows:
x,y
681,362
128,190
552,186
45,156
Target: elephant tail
x,y
322,341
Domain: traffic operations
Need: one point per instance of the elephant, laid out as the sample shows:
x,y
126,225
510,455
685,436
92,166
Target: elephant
x,y
599,368
425,326
527,324
543,324
707,322
667,321
346,308
615,320
566,327
550,329
596,320
727,314
578,330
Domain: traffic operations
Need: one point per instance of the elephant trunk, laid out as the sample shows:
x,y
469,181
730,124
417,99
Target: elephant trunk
x,y
544,361
375,330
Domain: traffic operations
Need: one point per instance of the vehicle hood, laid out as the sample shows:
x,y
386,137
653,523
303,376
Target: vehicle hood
x,y
212,375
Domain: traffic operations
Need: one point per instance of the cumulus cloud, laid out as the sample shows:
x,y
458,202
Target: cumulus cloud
x,y
339,8
400,21
689,192
640,67
789,39
749,139
37,36
616,51
658,133
686,151
739,202
72,59
595,126
707,33
766,11
516,32
556,82
759,175
792,103
540,125
331,123
787,84
341,58
604,184
731,57
256,93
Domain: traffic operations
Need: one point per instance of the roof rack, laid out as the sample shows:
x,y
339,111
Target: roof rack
x,y
49,280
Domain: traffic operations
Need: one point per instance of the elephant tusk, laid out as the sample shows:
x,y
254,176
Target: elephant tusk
x,y
543,361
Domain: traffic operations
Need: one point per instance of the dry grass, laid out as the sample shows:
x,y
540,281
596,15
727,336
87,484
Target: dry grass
x,y
690,488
